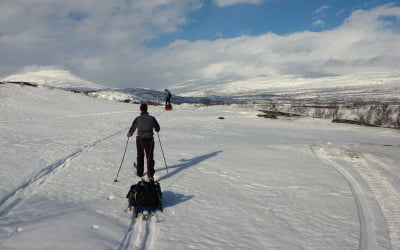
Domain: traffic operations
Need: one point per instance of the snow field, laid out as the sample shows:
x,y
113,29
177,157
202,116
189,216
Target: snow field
x,y
239,183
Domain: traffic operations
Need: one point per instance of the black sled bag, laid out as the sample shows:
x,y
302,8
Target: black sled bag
x,y
145,195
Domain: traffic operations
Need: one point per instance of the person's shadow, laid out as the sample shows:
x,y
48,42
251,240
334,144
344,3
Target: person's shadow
x,y
175,169
171,198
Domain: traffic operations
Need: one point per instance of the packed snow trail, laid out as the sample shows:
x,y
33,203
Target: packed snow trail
x,y
384,192
371,182
367,234
126,241
146,234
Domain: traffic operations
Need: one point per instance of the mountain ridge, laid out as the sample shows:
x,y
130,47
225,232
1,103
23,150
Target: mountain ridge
x,y
369,87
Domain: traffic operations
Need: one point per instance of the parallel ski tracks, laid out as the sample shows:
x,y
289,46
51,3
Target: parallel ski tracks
x,y
143,232
367,235
386,195
10,201
126,241
383,192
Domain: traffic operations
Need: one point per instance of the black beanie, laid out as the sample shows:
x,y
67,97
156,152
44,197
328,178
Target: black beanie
x,y
143,107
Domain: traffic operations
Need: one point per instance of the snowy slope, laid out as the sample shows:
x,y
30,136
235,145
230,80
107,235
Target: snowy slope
x,y
54,78
241,182
376,87
65,80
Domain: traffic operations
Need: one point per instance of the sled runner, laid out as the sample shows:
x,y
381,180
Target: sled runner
x,y
146,198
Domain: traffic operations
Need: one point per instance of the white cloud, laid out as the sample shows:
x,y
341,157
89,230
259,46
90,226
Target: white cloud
x,y
319,15
224,3
321,9
88,36
105,44
318,22
362,44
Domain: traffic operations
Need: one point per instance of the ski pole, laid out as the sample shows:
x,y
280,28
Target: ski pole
x,y
116,178
162,152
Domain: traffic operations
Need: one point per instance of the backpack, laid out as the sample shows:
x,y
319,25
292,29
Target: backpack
x,y
145,194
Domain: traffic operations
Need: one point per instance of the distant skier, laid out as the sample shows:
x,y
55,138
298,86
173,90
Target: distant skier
x,y
167,97
144,124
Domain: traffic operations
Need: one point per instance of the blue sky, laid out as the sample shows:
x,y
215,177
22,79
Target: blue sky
x,y
281,17
160,43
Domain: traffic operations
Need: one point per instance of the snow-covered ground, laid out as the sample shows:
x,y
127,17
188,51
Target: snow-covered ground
x,y
242,182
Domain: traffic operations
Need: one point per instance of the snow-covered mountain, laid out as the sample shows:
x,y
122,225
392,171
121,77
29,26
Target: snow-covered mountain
x,y
65,80
54,78
368,87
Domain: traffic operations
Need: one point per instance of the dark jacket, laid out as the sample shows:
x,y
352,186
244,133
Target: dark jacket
x,y
144,124
168,94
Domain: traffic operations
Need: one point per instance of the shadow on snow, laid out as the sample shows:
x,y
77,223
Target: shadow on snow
x,y
187,164
170,198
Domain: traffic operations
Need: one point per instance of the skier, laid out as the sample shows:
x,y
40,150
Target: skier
x,y
167,97
144,124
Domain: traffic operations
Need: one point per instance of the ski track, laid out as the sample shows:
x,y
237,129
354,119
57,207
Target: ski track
x,y
10,201
386,195
367,235
371,171
144,233
126,241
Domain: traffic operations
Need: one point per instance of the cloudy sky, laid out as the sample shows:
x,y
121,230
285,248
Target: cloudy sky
x,y
159,43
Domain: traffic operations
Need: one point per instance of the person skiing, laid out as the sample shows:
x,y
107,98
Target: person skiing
x,y
167,97
144,123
